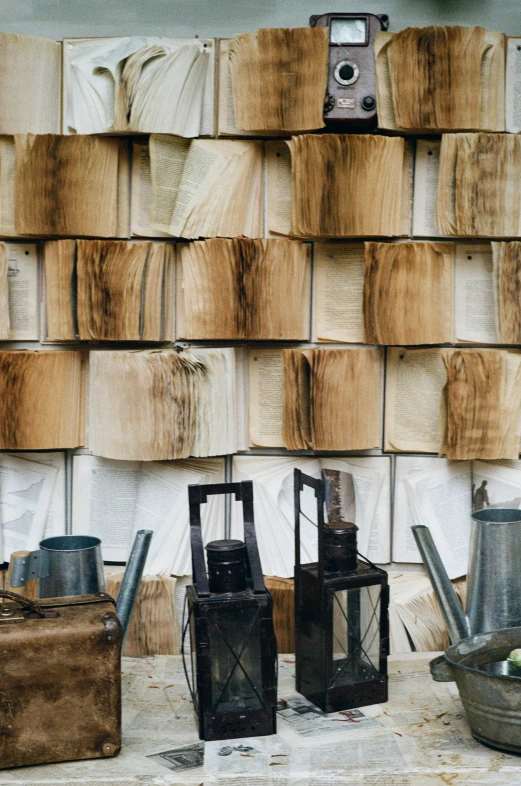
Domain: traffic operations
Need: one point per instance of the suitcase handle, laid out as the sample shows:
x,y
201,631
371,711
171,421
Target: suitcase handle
x,y
27,603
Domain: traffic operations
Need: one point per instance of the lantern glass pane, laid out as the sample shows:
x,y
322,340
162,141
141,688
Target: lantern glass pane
x,y
356,635
235,656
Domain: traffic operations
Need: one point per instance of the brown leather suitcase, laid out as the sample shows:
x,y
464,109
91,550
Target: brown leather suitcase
x,y
60,679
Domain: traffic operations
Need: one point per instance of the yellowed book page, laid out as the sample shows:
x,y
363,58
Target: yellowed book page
x,y
493,82
426,169
475,306
278,188
141,193
153,291
338,292
226,114
30,84
22,282
415,412
169,299
4,296
266,398
168,155
41,399
59,265
513,86
123,228
383,81
7,174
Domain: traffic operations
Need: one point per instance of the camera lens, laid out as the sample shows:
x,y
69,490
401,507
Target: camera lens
x,y
346,72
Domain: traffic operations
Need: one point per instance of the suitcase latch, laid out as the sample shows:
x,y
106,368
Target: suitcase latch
x,y
10,614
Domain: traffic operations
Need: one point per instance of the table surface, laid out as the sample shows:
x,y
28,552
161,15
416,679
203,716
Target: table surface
x,y
418,738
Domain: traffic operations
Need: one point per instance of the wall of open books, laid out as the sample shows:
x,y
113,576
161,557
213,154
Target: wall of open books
x,y
197,283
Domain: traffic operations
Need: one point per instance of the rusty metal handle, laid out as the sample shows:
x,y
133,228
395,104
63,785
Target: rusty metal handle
x,y
27,603
441,671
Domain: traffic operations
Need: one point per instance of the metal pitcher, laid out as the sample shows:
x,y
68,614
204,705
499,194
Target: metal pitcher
x,y
493,576
69,565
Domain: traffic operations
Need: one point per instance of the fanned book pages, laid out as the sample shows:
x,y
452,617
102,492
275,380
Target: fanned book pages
x,y
41,399
108,290
367,483
30,85
478,191
149,495
70,186
32,500
279,79
142,84
483,404
243,289
441,79
332,399
507,280
161,404
408,293
415,413
350,185
206,187
415,612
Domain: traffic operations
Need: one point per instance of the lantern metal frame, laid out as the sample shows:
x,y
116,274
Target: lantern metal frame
x,y
214,724
314,600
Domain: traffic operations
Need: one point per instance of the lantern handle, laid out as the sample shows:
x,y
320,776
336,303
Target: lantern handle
x,y
318,486
197,496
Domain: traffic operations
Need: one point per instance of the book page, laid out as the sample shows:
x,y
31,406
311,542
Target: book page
x,y
426,168
513,86
475,306
496,485
168,155
384,97
372,502
278,188
7,174
404,545
415,411
55,523
338,292
226,114
141,193
104,497
25,495
441,499
22,282
266,398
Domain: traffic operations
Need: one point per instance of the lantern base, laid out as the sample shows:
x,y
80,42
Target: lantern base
x,y
230,725
349,697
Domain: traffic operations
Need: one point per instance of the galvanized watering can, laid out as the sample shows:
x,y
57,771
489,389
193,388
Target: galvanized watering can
x,y
70,565
493,577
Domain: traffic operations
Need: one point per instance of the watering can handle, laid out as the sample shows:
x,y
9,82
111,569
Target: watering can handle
x,y
441,671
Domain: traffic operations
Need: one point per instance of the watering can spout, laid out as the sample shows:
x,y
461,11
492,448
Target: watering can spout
x,y
133,572
455,619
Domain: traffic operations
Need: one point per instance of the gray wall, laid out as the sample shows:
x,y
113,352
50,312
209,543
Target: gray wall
x,y
221,18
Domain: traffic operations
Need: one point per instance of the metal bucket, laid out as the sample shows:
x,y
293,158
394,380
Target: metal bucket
x,y
491,699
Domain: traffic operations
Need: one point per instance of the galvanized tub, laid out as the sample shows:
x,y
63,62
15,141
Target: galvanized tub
x,y
490,689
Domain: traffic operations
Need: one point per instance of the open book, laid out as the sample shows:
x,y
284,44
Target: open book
x,y
21,271
478,186
108,290
162,404
67,185
368,479
142,84
205,187
41,399
113,499
442,495
243,289
279,79
415,617
32,500
441,79
30,85
464,403
332,399
370,194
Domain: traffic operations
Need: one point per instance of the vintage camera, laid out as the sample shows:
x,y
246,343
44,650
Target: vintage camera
x,y
351,84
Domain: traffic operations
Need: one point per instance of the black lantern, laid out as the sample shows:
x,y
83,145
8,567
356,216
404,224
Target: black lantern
x,y
341,615
234,651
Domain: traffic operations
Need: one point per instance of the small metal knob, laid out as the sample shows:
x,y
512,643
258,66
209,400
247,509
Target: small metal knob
x,y
368,103
5,611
